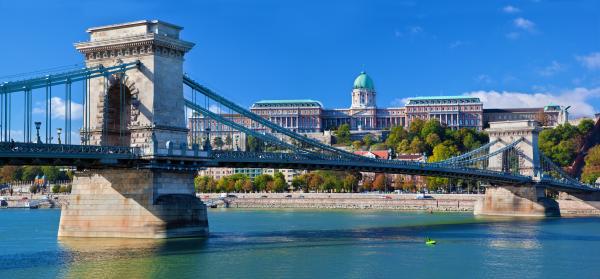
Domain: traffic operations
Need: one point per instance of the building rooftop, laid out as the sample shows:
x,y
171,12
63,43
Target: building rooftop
x,y
364,81
293,103
442,99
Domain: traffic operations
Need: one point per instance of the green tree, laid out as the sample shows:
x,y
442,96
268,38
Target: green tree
x,y
228,141
432,126
248,186
342,134
368,140
417,146
415,127
52,173
300,182
585,126
261,182
30,172
357,145
396,135
432,140
253,144
403,146
350,183
279,184
218,142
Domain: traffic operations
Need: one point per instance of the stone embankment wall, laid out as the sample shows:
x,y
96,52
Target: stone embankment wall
x,y
407,202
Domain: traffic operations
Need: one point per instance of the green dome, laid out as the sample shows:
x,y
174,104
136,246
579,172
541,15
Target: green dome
x,y
364,81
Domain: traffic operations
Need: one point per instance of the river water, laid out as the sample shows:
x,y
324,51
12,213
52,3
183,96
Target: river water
x,y
312,244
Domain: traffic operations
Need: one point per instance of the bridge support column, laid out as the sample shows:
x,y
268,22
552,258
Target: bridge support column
x,y
131,203
516,201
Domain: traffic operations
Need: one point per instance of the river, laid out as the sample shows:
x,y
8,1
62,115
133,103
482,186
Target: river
x,y
312,244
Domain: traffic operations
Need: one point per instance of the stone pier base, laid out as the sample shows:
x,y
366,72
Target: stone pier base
x,y
131,203
516,201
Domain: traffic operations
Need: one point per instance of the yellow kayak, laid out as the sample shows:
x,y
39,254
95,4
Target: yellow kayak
x,y
430,241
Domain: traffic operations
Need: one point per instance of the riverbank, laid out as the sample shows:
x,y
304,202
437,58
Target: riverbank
x,y
404,202
36,200
401,202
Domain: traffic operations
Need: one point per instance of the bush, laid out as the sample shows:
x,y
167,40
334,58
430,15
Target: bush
x,y
55,188
65,189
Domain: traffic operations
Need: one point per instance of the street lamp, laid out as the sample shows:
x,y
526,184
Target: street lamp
x,y
58,131
37,128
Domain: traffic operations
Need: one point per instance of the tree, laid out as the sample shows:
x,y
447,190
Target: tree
x,y
432,126
357,145
441,152
228,141
30,172
585,126
403,146
415,127
368,140
218,142
261,182
432,140
350,183
253,144
315,181
367,184
279,184
591,171
248,186
397,134
417,146
379,182
342,134
300,182
52,173
10,173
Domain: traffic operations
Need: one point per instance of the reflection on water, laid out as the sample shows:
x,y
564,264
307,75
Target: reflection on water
x,y
311,244
124,258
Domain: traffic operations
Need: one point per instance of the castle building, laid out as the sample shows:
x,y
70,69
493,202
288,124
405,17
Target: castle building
x,y
311,118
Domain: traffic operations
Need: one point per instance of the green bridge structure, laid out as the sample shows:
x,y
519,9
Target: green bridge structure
x,y
136,163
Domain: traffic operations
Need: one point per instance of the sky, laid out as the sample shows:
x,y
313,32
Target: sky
x,y
509,53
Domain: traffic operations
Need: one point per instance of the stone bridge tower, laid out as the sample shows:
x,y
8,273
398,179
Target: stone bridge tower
x,y
143,107
508,132
516,200
153,94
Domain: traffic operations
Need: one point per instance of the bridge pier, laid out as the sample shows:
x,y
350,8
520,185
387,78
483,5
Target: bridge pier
x,y
516,201
130,203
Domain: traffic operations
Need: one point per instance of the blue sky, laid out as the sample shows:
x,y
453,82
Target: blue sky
x,y
509,53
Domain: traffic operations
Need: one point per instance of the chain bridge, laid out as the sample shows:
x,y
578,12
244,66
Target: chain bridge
x,y
137,157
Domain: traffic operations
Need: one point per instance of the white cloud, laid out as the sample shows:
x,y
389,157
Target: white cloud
x,y
551,69
590,61
58,109
578,98
511,9
524,24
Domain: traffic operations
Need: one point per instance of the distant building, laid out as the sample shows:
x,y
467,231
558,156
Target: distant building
x,y
550,115
455,112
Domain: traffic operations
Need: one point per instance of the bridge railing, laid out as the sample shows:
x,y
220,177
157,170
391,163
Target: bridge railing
x,y
21,148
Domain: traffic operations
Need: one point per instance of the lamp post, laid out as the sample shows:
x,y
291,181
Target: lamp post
x,y
37,128
58,131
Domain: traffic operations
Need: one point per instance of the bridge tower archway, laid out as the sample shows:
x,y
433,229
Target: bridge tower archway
x,y
118,111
